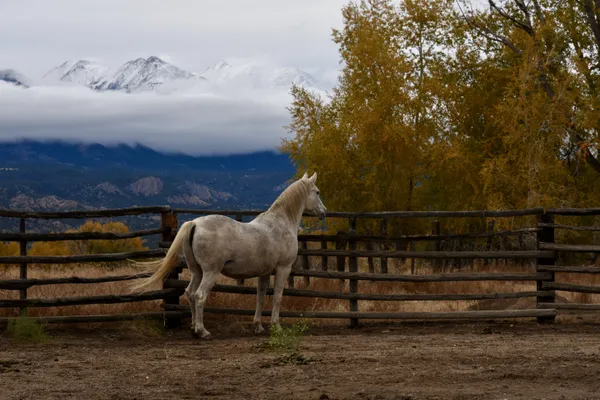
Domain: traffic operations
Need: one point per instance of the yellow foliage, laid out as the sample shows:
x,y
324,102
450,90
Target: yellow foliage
x,y
372,141
445,108
75,247
8,249
107,246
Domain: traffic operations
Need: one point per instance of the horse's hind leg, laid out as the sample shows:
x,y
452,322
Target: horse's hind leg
x,y
263,285
208,281
190,292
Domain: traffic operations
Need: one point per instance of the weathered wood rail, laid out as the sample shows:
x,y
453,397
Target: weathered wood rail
x,y
345,248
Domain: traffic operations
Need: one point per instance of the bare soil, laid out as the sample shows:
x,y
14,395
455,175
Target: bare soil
x,y
489,360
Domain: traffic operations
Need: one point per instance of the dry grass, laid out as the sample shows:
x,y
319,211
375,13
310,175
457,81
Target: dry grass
x,y
295,303
72,290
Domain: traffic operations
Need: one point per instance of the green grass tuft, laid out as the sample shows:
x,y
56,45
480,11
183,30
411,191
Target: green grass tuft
x,y
286,339
25,329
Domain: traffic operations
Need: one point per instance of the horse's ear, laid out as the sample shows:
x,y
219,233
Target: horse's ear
x,y
305,176
313,178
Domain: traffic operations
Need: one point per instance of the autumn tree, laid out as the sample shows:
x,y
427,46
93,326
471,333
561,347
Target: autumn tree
x,y
444,105
372,141
549,114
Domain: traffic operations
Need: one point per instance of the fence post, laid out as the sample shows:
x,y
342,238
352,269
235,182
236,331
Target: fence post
x,y
412,259
370,261
489,239
324,259
353,267
305,262
383,230
23,267
168,222
459,261
546,235
435,231
340,244
470,263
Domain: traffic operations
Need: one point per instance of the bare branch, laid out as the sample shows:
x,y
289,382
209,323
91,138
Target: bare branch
x,y
590,10
581,143
523,7
544,81
526,27
491,35
538,11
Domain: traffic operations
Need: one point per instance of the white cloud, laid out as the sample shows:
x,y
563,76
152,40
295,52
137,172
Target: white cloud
x,y
36,35
193,123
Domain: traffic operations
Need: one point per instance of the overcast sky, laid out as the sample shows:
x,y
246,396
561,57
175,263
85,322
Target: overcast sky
x,y
36,35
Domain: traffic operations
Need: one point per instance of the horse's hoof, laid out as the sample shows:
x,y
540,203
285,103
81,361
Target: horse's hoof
x,y
205,335
258,329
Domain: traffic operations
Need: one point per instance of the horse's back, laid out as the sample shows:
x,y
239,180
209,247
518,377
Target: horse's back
x,y
221,239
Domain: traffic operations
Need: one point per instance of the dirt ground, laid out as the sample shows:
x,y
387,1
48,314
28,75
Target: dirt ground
x,y
488,360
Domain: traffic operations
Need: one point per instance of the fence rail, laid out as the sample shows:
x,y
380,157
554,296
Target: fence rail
x,y
349,248
385,214
19,284
53,237
85,258
448,315
83,300
176,283
115,212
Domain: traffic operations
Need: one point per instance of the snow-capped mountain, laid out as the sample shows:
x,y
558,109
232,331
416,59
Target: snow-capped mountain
x,y
156,75
142,75
14,77
80,72
257,76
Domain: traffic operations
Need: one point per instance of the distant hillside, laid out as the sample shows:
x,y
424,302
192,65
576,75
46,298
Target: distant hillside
x,y
138,156
54,176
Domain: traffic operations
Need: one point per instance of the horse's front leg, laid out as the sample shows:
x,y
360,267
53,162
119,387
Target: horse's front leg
x,y
281,275
263,285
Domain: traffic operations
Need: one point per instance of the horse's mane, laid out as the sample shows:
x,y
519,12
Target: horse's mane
x,y
292,198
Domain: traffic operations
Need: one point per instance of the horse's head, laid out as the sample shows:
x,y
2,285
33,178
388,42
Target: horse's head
x,y
313,204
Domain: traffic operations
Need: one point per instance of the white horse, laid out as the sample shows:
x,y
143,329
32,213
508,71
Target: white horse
x,y
216,244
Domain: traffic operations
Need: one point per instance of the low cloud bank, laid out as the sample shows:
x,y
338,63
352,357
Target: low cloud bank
x,y
194,123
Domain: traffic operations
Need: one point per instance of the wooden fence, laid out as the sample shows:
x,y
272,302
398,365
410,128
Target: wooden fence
x,y
345,247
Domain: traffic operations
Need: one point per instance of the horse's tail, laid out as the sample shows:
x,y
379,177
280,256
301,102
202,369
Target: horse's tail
x,y
166,264
188,251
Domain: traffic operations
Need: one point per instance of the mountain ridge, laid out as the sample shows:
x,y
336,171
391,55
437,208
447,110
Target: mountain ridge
x,y
156,75
34,174
91,155
55,176
13,77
